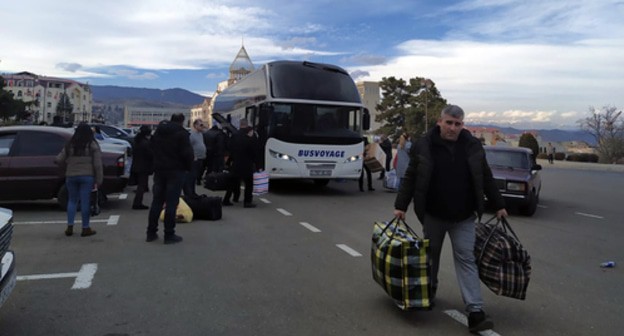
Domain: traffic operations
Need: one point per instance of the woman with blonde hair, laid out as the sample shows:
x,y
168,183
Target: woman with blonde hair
x,y
82,158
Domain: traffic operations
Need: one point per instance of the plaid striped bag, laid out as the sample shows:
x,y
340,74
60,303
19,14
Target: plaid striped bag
x,y
260,183
504,265
401,265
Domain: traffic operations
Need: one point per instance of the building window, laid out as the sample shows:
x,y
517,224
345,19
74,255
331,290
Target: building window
x,y
49,104
19,93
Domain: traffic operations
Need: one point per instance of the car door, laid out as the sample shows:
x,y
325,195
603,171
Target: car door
x,y
34,173
6,143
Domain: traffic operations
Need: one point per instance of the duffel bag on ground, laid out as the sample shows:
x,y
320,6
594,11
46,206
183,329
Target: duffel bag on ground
x,y
504,265
217,181
205,207
184,214
401,265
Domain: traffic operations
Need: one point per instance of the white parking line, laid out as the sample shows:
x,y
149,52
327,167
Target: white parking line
x,y
588,215
64,221
349,250
123,196
284,212
542,206
309,227
264,200
84,277
113,220
461,318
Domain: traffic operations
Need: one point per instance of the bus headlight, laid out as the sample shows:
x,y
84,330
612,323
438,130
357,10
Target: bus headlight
x,y
353,159
282,156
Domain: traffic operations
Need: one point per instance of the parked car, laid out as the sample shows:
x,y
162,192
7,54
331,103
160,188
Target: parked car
x,y
517,176
7,267
114,132
28,171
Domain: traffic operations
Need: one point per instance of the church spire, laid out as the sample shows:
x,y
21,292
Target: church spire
x,y
241,66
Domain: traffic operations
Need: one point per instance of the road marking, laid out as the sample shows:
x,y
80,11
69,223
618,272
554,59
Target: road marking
x,y
588,215
309,227
65,221
113,220
349,250
264,200
284,212
461,318
84,277
123,196
542,206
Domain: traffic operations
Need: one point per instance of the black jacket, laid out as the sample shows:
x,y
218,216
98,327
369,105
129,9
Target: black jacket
x,y
416,182
243,154
142,157
172,148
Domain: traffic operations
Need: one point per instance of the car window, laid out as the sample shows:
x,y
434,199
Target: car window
x,y
507,159
6,140
39,143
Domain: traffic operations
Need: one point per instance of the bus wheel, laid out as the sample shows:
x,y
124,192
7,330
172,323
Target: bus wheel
x,y
321,182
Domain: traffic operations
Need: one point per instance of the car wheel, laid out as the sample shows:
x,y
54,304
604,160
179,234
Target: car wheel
x,y
62,197
531,206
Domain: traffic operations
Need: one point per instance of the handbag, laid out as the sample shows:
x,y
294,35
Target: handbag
x,y
260,183
504,265
94,202
401,265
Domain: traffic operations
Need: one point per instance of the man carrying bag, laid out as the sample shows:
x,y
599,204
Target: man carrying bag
x,y
447,178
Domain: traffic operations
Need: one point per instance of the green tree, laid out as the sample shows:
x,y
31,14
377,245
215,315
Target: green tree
x,y
527,140
64,108
607,127
404,104
9,106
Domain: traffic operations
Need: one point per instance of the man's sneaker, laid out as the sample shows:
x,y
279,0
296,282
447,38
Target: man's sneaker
x,y
151,237
173,239
86,232
479,321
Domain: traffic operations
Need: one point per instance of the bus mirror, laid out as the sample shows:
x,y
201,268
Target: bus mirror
x,y
366,120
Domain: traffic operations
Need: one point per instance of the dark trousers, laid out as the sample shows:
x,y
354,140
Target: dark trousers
x,y
189,183
142,179
368,176
214,164
234,188
166,191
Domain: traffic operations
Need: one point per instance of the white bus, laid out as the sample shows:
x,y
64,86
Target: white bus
x,y
308,116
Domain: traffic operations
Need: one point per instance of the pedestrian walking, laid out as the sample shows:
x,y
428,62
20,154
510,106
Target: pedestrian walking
x,y
447,177
173,158
82,158
386,146
196,139
366,170
402,156
142,165
243,150
550,151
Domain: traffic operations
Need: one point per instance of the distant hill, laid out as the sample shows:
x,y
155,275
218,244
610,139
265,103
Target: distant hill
x,y
107,94
553,135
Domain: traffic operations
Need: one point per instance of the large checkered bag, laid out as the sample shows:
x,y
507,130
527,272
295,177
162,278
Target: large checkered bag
x,y
401,265
504,265
260,183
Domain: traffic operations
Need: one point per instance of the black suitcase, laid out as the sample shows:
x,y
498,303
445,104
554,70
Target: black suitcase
x,y
205,207
217,181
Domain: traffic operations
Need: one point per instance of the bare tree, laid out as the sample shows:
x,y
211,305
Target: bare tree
x,y
607,128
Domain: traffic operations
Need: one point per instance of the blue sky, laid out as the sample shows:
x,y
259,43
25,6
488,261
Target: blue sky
x,y
532,64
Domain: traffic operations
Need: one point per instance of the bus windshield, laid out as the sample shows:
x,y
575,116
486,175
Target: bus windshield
x,y
320,124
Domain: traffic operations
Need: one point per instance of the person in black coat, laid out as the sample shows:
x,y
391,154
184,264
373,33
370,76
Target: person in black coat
x,y
142,165
244,160
173,158
386,146
366,170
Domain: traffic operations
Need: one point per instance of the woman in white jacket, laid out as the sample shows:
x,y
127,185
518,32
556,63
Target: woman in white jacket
x,y
403,156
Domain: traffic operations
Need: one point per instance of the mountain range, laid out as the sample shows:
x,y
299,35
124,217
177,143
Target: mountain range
x,y
108,95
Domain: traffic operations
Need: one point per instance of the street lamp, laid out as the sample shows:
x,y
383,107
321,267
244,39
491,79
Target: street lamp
x,y
426,84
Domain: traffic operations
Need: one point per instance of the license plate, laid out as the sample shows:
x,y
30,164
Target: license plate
x,y
320,172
